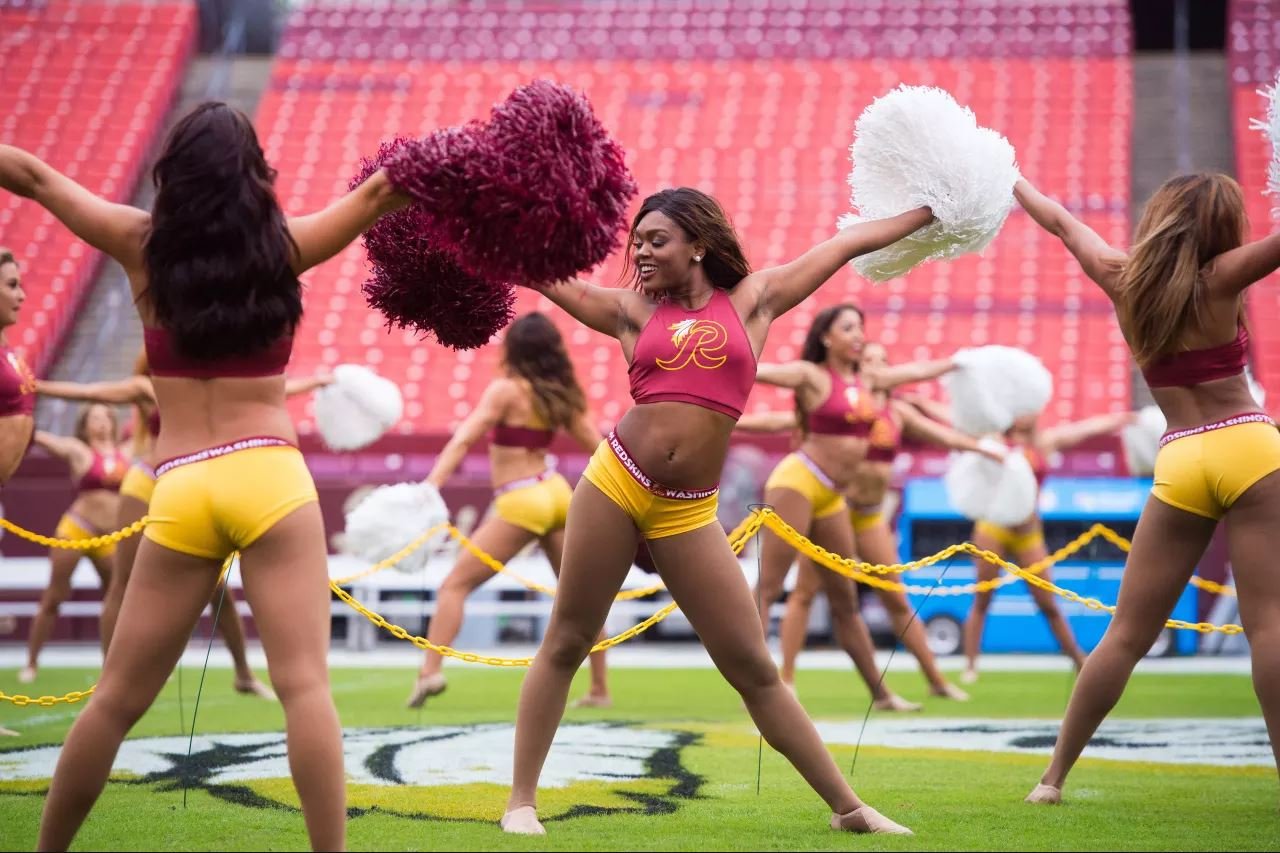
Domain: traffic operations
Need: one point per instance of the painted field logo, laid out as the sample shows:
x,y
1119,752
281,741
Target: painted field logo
x,y
1222,741
439,772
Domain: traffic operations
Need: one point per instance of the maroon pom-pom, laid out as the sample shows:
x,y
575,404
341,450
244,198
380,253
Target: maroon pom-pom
x,y
538,194
417,285
461,311
437,170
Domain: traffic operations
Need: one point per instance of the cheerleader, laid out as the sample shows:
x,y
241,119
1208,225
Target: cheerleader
x,y
836,400
691,330
214,273
17,383
535,396
1179,297
97,465
873,539
1024,544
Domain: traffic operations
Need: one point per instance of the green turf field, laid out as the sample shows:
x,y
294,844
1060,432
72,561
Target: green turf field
x,y
672,766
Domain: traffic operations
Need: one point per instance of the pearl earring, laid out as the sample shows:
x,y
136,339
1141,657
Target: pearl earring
x,y
697,258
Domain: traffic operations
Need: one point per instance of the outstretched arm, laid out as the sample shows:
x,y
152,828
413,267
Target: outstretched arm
x,y
73,451
131,391
308,383
782,288
1070,434
890,377
323,234
768,422
1099,260
607,310
1231,272
788,374
116,229
485,416
934,409
929,431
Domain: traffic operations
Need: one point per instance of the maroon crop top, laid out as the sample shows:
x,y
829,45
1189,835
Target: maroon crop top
x,y
702,357
17,384
518,436
847,410
106,472
1197,366
165,360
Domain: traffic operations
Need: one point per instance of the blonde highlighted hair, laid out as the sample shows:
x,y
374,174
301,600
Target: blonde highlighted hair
x,y
1189,221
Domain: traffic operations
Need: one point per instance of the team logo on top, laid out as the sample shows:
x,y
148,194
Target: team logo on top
x,y
27,379
861,407
697,342
882,433
112,470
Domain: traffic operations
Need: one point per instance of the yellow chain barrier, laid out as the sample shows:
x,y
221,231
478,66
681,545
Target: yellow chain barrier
x,y
396,557
855,569
75,544
1197,581
1093,603
737,541
851,568
865,572
77,695
501,569
47,701
497,567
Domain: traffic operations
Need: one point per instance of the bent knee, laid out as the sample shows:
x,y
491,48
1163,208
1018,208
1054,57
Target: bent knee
x,y
54,596
1134,641
803,597
299,682
458,586
122,705
747,672
567,647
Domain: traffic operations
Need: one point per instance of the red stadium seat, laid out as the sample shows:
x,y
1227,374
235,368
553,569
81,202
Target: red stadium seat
x,y
84,85
769,138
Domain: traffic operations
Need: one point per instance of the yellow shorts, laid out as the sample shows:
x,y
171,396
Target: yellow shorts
x,y
1204,470
798,473
70,527
139,482
658,511
1010,540
866,517
216,501
537,504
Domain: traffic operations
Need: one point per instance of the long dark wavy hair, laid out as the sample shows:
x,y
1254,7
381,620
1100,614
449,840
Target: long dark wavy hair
x,y
815,350
702,219
534,351
219,254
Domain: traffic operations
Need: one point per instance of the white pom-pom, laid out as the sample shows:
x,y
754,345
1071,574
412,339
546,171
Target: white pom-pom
x,y
916,147
1271,129
357,409
390,518
982,489
1141,441
993,386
